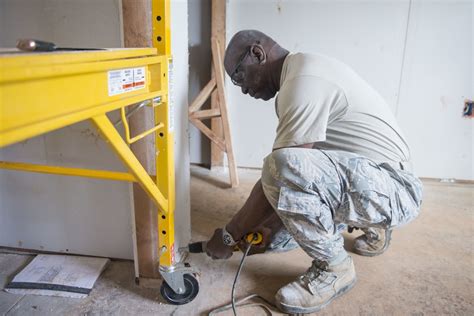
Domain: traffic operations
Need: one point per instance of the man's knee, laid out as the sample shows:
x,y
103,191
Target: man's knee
x,y
271,175
279,166
296,167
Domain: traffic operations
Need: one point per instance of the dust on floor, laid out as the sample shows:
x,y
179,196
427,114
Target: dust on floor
x,y
428,269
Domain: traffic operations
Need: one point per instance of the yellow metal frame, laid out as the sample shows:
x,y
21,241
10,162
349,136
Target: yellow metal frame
x,y
165,179
42,92
128,138
88,173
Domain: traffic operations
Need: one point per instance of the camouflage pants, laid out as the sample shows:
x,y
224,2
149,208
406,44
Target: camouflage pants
x,y
315,191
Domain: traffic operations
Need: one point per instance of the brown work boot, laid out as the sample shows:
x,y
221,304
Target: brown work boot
x,y
373,243
317,287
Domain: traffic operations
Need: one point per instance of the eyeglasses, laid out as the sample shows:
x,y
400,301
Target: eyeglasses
x,y
238,80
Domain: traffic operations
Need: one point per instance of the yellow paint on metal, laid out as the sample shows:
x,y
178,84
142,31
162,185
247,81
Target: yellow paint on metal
x,y
79,172
161,26
26,60
128,138
126,155
42,98
11,74
44,92
164,139
19,133
146,133
165,178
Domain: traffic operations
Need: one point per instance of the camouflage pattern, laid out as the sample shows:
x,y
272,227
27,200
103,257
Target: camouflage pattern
x,y
317,192
282,241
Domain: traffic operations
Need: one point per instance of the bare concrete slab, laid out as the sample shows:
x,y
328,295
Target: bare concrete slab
x,y
10,264
428,269
8,301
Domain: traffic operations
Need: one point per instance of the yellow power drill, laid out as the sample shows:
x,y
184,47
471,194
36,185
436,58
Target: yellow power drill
x,y
250,238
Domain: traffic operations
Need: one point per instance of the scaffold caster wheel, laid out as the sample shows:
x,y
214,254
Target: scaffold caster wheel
x,y
191,285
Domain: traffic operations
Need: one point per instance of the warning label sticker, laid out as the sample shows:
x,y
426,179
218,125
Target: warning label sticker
x,y
126,80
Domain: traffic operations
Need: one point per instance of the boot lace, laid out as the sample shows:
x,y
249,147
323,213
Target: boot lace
x,y
316,275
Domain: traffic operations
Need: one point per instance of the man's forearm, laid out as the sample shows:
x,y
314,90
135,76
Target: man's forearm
x,y
255,211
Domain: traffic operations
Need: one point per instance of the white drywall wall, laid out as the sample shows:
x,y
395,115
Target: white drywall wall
x,y
79,215
436,79
365,35
370,36
199,26
179,50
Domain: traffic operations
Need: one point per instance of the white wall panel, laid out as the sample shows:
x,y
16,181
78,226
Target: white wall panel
x,y
179,50
367,35
426,57
437,77
199,26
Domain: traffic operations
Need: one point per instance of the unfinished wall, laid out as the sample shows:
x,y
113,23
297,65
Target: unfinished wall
x,y
199,71
60,213
417,54
179,50
80,215
437,77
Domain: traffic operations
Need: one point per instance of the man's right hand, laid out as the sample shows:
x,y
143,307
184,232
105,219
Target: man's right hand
x,y
216,249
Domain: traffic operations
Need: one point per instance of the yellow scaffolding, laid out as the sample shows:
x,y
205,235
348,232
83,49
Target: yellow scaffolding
x,y
42,92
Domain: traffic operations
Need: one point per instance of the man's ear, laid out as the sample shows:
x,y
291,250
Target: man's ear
x,y
257,51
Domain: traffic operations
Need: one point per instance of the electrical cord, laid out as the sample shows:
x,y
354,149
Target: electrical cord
x,y
266,305
249,245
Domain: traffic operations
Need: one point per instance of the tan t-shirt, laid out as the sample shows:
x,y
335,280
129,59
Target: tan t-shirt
x,y
323,101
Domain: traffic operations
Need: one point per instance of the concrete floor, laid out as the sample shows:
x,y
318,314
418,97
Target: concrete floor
x,y
428,269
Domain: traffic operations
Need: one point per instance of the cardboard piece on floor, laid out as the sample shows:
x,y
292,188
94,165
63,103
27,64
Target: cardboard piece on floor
x,y
58,275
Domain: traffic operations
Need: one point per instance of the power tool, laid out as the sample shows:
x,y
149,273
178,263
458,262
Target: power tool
x,y
32,45
250,238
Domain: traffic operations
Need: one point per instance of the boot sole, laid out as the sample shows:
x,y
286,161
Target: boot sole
x,y
305,310
375,253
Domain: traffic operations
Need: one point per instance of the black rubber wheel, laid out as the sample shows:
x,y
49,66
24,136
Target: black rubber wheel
x,y
191,290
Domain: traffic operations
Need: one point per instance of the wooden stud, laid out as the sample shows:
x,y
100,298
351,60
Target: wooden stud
x,y
219,134
205,114
219,73
203,95
137,31
218,19
209,133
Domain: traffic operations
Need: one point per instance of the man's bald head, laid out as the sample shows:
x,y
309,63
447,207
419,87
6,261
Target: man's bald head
x,y
253,60
242,41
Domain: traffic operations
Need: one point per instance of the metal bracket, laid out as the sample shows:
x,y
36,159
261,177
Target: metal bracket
x,y
174,275
124,120
132,111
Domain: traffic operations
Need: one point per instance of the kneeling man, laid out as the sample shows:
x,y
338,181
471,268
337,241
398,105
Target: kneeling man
x,y
339,159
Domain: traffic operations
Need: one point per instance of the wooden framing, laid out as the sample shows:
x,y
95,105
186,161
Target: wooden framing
x,y
215,87
218,17
137,32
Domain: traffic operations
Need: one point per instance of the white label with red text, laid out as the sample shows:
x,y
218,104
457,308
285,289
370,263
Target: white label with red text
x,y
126,80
